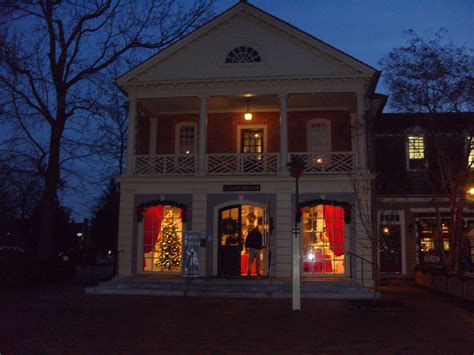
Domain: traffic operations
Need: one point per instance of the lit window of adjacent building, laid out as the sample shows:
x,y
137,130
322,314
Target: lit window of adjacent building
x,y
416,152
471,152
186,142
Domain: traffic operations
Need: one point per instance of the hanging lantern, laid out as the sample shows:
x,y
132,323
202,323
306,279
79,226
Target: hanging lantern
x,y
248,115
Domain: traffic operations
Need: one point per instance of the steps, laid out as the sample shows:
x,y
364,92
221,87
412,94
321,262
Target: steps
x,y
233,288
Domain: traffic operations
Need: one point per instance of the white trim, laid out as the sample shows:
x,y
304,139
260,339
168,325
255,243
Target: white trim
x,y
177,132
327,124
215,234
140,241
441,209
303,109
403,242
250,126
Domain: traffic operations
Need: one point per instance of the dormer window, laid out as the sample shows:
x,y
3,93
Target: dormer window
x,y
243,54
416,152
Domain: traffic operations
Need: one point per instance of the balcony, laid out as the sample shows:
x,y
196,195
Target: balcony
x,y
241,164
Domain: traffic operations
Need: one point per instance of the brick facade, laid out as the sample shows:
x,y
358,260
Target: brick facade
x,y
222,131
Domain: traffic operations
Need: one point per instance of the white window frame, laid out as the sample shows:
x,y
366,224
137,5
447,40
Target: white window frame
x,y
328,134
408,159
178,132
239,135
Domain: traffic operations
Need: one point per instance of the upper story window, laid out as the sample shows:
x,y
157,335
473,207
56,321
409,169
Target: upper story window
x,y
470,142
243,54
186,142
416,152
319,136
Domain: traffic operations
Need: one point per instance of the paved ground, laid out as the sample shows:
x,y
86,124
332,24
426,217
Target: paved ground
x,y
64,319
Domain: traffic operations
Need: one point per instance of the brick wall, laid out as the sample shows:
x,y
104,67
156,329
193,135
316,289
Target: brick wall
x,y
222,131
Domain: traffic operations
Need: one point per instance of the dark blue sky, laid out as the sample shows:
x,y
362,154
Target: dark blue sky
x,y
368,29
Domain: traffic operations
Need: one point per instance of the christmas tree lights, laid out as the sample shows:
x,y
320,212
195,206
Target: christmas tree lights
x,y
169,244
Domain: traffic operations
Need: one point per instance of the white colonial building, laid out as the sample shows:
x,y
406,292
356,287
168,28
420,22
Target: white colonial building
x,y
196,162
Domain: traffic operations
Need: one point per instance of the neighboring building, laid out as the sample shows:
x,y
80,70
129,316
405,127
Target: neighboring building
x,y
411,149
195,163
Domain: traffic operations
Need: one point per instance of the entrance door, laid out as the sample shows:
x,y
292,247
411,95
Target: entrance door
x,y
235,222
390,248
230,240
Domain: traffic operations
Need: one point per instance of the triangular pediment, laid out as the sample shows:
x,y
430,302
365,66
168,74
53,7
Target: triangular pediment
x,y
285,51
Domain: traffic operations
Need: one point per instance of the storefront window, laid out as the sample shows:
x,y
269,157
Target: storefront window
x,y
162,244
323,240
427,231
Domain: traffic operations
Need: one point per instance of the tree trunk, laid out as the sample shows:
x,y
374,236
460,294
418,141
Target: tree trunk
x,y
48,199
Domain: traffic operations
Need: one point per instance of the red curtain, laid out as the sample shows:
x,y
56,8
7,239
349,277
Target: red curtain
x,y
153,218
334,218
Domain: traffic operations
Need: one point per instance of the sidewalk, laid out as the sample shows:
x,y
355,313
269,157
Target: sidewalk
x,y
64,319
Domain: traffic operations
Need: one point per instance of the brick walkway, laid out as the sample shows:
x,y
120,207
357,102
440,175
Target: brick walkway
x,y
64,319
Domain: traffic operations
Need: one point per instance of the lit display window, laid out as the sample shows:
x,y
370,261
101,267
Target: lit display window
x,y
162,239
323,240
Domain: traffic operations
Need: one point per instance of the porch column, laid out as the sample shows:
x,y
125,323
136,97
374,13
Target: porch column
x,y
202,135
153,127
283,133
132,113
361,132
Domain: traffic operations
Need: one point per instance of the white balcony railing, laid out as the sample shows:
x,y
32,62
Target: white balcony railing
x,y
243,164
166,164
328,163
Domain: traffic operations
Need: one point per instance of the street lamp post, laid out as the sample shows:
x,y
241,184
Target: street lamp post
x,y
296,168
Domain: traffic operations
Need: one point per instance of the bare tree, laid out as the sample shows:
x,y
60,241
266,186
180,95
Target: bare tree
x,y
433,76
50,53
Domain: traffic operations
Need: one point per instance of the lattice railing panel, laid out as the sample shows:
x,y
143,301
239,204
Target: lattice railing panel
x,y
165,164
242,164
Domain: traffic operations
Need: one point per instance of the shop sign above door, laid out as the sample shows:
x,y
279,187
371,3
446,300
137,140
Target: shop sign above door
x,y
241,188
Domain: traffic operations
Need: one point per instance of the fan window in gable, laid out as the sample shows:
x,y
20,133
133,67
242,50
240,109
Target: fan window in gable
x,y
243,54
319,136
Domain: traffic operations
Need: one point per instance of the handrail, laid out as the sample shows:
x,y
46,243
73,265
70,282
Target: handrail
x,y
361,264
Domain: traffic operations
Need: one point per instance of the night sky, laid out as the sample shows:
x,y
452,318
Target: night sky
x,y
368,29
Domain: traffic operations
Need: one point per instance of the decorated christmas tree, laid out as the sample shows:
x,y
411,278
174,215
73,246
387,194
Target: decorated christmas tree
x,y
169,257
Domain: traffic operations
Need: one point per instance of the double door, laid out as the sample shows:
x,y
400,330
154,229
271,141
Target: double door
x,y
235,222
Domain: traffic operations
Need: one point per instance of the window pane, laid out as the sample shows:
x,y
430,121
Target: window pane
x,y
186,140
416,147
